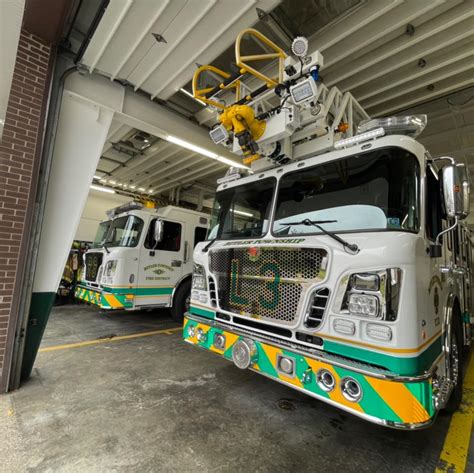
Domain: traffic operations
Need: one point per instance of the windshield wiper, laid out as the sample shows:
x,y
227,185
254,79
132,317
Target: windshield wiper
x,y
206,248
316,223
105,248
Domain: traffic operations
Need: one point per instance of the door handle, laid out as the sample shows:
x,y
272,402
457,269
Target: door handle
x,y
186,252
176,263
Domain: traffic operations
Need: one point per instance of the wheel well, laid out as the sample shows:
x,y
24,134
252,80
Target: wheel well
x,y
180,283
457,313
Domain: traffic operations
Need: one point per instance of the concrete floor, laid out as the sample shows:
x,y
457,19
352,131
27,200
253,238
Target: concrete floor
x,y
156,404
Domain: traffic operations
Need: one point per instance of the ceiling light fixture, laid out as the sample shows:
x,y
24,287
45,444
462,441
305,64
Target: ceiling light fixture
x,y
141,189
113,182
102,189
187,145
203,151
189,94
97,177
230,162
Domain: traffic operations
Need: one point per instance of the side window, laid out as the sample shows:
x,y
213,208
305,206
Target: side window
x,y
434,222
199,235
171,237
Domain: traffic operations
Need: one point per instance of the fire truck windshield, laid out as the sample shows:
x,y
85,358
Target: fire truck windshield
x,y
124,231
377,190
101,234
243,211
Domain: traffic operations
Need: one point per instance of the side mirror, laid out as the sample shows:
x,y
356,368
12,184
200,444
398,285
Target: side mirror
x,y
158,231
464,177
455,183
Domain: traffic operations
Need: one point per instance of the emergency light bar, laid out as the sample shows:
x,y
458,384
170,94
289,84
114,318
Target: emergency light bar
x,y
354,140
409,125
124,208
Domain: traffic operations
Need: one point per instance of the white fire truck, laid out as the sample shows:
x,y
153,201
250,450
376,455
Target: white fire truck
x,y
142,258
341,264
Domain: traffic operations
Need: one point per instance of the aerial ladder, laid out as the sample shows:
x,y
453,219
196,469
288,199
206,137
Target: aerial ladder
x,y
271,120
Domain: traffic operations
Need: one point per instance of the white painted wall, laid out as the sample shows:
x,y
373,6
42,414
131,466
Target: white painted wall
x,y
97,205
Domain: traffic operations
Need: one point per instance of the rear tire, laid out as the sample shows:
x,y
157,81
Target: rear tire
x,y
455,362
181,301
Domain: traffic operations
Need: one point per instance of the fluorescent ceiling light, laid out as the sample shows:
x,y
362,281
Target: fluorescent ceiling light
x,y
132,186
150,191
186,144
230,162
189,94
112,182
204,152
102,189
142,189
97,177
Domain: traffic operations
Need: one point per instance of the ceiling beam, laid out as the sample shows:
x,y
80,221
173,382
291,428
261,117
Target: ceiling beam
x,y
213,39
178,162
431,64
443,87
395,61
141,37
398,18
400,44
424,81
179,181
368,13
137,161
173,46
111,24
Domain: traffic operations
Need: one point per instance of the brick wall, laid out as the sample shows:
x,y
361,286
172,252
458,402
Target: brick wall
x,y
20,153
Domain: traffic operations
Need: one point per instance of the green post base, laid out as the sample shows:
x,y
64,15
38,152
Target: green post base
x,y
40,308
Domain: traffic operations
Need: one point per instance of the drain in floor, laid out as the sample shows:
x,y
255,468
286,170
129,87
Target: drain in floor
x,y
286,405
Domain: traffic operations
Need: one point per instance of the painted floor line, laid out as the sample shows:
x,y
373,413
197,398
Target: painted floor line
x,y
168,331
453,458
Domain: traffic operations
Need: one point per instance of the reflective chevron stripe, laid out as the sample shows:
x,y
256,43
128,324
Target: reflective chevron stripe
x,y
408,403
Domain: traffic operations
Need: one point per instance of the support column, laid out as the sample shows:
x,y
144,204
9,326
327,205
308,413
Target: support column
x,y
81,133
20,157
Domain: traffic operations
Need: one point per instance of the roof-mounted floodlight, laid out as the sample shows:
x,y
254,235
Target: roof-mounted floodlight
x,y
300,46
409,125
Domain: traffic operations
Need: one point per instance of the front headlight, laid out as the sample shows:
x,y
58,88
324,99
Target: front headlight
x,y
110,268
199,278
371,294
363,304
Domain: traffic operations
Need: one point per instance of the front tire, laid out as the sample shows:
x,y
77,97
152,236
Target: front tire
x,y
455,364
181,301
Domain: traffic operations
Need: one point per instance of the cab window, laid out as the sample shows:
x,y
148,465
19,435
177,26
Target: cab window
x,y
199,234
171,240
434,223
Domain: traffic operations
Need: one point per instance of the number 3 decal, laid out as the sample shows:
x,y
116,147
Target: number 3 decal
x,y
271,285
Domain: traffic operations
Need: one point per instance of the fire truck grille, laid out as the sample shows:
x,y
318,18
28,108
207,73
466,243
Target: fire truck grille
x,y
266,282
93,262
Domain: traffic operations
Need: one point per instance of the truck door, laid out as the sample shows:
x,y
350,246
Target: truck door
x,y
161,264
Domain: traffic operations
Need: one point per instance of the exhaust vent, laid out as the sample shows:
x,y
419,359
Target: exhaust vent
x,y
212,292
317,308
